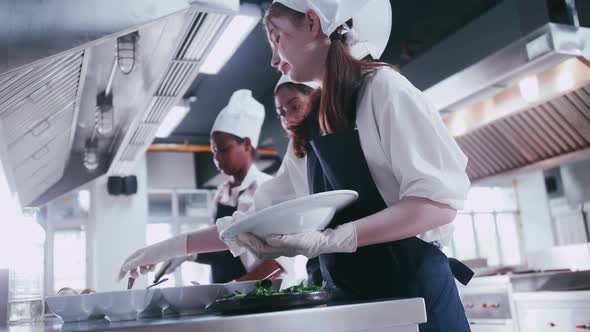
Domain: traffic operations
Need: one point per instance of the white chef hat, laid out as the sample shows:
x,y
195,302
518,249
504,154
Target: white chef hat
x,y
287,79
372,20
243,117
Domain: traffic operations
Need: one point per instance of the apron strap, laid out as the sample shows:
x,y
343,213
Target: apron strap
x,y
460,271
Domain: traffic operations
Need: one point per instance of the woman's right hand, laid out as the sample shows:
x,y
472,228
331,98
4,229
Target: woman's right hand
x,y
145,259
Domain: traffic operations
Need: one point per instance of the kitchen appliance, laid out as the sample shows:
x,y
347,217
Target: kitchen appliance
x,y
84,87
505,302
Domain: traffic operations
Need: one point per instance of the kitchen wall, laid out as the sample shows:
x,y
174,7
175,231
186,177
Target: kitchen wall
x,y
117,227
171,170
535,214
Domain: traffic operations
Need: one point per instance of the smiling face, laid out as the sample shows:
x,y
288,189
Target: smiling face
x,y
299,47
292,104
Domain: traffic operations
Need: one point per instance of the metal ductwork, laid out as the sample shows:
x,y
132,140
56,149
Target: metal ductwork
x,y
543,136
57,61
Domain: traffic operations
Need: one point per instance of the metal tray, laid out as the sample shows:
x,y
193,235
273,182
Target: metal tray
x,y
249,305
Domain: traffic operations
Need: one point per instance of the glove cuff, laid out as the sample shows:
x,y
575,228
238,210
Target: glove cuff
x,y
343,238
175,246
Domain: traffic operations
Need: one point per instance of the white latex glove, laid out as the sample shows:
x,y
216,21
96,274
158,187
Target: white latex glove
x,y
235,247
177,261
146,258
311,244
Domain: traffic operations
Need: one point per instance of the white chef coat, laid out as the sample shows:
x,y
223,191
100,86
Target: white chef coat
x,y
408,149
245,203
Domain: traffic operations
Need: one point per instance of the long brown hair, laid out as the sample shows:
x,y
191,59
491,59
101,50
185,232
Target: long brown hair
x,y
344,76
297,132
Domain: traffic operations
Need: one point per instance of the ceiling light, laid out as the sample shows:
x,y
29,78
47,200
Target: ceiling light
x,y
233,36
84,200
172,120
566,79
126,52
105,114
529,88
91,159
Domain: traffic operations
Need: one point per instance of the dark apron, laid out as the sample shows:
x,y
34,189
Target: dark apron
x,y
400,269
314,272
224,266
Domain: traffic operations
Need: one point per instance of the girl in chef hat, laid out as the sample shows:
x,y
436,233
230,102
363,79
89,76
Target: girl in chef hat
x,y
370,130
292,106
234,139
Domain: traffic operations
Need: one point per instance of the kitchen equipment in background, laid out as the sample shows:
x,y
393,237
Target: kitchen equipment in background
x,y
3,297
53,70
505,302
488,304
25,270
300,215
553,311
576,181
572,257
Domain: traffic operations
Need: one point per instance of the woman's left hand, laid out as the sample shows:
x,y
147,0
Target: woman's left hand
x,y
310,244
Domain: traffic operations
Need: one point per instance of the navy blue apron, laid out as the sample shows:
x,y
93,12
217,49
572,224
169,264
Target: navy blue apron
x,y
224,266
314,272
399,269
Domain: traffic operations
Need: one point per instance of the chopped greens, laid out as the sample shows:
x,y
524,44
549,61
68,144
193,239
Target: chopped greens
x,y
264,288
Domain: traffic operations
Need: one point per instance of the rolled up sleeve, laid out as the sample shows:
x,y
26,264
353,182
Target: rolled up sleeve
x,y
426,160
289,183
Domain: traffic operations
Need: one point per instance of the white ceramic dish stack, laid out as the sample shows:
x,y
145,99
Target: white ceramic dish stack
x,y
71,308
190,300
116,306
122,305
144,303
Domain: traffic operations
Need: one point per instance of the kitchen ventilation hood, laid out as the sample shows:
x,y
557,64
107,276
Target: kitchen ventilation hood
x,y
523,105
64,64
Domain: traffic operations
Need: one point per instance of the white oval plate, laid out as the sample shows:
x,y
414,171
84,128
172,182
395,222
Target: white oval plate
x,y
304,214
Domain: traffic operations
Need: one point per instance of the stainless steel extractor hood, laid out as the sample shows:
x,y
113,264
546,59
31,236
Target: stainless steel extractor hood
x,y
59,68
540,50
525,104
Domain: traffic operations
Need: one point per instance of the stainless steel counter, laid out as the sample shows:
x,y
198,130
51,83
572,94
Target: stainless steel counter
x,y
394,315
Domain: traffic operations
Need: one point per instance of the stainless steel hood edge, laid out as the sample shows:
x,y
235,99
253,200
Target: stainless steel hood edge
x,y
534,53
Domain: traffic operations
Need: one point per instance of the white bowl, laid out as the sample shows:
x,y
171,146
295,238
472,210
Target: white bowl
x,y
300,215
122,305
156,305
71,308
191,300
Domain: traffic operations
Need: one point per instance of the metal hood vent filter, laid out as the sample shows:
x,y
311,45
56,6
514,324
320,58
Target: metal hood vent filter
x,y
37,116
183,69
59,58
544,134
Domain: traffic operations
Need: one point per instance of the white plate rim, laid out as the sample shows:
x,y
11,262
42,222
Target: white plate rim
x,y
288,204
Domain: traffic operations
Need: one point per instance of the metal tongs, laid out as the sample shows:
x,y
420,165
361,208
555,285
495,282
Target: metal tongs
x,y
131,281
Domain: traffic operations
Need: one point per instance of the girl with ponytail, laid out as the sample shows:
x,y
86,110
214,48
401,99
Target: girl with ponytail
x,y
367,129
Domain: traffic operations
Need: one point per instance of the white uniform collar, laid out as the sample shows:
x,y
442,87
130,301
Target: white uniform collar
x,y
251,177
